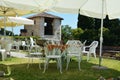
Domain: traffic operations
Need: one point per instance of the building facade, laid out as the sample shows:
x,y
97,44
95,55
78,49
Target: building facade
x,y
45,25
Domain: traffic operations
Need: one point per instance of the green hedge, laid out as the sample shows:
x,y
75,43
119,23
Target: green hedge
x,y
26,37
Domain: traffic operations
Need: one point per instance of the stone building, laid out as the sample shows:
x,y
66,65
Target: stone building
x,y
45,26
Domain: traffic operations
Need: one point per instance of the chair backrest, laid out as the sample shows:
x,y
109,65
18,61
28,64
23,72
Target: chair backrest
x,y
74,49
8,46
35,49
46,52
69,42
84,42
93,47
73,42
83,45
23,43
54,51
32,42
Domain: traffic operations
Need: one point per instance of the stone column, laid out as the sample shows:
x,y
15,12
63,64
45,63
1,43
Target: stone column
x,y
57,28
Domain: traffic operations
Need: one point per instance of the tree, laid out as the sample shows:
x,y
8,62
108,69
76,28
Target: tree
x,y
66,33
91,27
90,35
85,22
77,33
8,33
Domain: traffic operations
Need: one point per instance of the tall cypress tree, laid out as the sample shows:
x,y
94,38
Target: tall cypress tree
x,y
85,22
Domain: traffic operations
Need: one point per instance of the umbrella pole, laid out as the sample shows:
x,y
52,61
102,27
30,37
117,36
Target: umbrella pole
x,y
12,31
101,35
4,24
101,41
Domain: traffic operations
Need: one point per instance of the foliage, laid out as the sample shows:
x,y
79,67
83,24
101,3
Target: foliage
x,y
85,22
8,33
66,33
26,37
77,33
109,39
90,35
91,26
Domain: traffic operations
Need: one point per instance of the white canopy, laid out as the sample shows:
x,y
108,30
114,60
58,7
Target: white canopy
x,y
21,7
68,6
91,8
13,21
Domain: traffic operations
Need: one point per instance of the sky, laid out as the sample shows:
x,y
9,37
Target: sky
x,y
69,19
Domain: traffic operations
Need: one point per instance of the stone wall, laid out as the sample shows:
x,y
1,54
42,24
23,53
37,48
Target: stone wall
x,y
38,28
109,50
57,29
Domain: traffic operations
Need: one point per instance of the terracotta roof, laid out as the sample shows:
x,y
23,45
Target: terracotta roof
x,y
44,14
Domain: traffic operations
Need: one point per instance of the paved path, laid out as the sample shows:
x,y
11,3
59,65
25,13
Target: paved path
x,y
18,55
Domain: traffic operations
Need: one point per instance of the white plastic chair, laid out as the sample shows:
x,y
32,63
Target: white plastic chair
x,y
16,44
74,51
3,54
35,52
33,43
24,45
6,45
91,49
8,48
54,54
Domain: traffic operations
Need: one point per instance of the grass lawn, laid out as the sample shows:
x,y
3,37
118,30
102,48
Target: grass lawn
x,y
20,72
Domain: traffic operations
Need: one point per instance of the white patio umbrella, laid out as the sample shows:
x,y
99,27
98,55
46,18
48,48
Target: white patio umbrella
x,y
15,21
32,5
92,8
7,9
11,21
22,7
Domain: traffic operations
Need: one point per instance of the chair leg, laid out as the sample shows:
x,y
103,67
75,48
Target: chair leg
x,y
30,60
68,60
10,54
28,64
79,60
60,65
4,55
39,63
94,55
88,56
45,64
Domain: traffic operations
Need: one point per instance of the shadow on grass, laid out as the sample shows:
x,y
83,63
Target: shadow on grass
x,y
20,72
